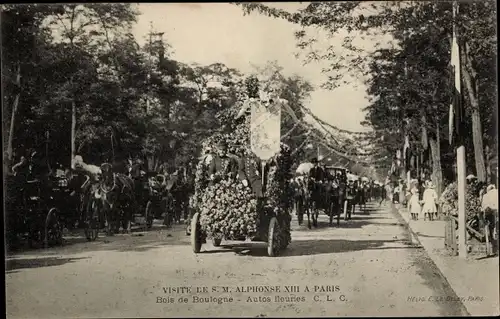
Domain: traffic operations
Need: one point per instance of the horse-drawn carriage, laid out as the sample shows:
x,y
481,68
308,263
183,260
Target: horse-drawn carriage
x,y
31,213
327,194
355,195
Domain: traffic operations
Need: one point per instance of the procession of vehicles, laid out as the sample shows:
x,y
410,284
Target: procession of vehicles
x,y
39,214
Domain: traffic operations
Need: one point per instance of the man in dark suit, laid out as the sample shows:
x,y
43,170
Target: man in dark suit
x,y
219,160
250,173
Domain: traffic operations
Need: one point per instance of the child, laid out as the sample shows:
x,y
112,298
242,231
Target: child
x,y
414,204
429,198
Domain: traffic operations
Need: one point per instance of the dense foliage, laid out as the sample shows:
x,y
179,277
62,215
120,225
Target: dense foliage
x,y
449,200
78,81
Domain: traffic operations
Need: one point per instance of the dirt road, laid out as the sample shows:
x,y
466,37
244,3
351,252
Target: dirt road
x,y
367,267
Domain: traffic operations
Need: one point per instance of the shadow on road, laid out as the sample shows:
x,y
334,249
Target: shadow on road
x,y
312,247
137,241
354,222
13,265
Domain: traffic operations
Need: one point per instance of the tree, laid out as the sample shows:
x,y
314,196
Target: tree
x,y
21,29
84,31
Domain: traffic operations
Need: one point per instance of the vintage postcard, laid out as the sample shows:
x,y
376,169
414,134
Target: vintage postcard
x,y
250,159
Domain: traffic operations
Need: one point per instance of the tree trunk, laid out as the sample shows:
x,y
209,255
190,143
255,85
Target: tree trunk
x,y
14,111
437,172
437,175
477,131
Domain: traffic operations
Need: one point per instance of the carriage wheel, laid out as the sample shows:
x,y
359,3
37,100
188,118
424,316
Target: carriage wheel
x,y
195,234
216,242
273,238
148,214
53,229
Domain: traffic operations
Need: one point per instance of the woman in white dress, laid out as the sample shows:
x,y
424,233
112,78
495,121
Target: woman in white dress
x,y
414,204
430,199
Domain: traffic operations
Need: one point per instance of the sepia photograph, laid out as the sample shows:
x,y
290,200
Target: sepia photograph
x,y
250,159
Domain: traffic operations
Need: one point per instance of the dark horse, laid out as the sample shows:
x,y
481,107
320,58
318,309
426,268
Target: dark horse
x,y
334,196
352,198
313,201
118,200
301,199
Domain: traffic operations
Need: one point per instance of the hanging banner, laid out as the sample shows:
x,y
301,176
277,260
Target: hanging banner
x,y
265,129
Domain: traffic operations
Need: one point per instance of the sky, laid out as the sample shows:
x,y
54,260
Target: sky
x,y
219,32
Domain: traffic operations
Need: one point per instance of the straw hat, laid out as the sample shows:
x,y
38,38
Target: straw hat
x,y
471,176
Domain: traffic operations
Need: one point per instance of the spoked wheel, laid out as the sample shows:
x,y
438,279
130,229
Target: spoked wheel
x,y
148,214
53,229
195,234
273,239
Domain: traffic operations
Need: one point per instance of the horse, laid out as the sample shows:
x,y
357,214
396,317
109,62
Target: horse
x,y
300,198
334,199
181,192
116,192
362,196
313,201
173,213
352,196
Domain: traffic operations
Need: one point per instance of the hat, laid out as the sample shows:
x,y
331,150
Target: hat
x,y
314,160
490,187
471,176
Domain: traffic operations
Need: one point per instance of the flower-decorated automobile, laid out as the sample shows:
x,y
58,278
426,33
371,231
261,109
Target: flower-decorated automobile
x,y
244,192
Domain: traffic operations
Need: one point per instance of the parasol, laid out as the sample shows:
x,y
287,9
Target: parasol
x,y
304,168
